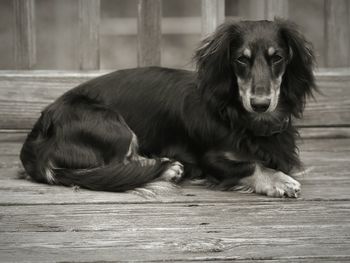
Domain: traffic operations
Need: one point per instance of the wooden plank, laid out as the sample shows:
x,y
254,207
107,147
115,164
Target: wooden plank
x,y
332,105
337,33
149,32
213,14
178,232
16,191
89,34
24,94
28,94
325,133
24,34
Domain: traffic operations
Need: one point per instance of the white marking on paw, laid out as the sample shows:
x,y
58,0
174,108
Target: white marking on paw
x,y
173,173
272,183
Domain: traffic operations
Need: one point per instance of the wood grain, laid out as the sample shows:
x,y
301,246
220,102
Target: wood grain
x,y
149,32
213,14
24,34
89,34
24,94
156,232
337,33
325,132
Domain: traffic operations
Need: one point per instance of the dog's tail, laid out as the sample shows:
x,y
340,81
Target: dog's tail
x,y
114,177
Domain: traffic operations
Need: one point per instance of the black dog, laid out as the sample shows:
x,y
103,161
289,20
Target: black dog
x,y
230,122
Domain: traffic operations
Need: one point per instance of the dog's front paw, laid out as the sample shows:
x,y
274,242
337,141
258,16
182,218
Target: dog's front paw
x,y
173,173
279,185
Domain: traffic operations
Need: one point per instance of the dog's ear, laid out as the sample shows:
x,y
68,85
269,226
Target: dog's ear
x,y
298,81
213,61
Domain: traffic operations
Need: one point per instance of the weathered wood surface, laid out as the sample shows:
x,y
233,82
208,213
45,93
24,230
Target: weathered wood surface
x,y
89,34
24,94
41,223
337,33
149,32
213,14
155,232
24,34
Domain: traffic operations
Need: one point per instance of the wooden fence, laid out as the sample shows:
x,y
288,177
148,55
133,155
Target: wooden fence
x,y
23,94
336,29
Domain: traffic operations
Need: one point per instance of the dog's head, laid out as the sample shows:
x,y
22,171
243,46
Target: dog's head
x,y
265,67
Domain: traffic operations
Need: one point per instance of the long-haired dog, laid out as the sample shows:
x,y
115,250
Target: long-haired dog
x,y
230,122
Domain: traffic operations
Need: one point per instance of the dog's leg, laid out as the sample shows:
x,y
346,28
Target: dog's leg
x,y
224,170
229,172
271,183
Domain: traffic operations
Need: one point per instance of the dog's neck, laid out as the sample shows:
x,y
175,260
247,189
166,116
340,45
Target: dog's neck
x,y
270,129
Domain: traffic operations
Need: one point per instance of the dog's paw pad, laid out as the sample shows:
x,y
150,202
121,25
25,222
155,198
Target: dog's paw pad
x,y
173,173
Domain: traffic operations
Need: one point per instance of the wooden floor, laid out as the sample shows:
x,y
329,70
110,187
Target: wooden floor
x,y
50,223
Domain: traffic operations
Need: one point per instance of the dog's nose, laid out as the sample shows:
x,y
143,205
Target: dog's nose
x,y
260,105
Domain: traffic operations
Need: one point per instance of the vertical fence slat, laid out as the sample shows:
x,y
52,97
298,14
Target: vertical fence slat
x,y
268,9
257,9
149,32
337,33
89,34
24,34
276,8
213,14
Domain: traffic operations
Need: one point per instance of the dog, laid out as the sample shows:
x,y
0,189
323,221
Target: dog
x,y
230,121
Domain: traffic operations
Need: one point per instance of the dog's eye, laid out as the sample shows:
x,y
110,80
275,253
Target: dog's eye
x,y
242,60
276,59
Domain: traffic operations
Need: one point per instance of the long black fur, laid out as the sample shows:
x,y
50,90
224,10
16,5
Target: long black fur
x,y
192,117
